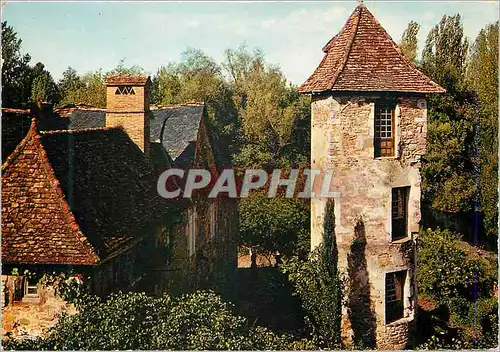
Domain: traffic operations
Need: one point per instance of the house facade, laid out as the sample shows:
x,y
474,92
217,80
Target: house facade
x,y
368,125
79,194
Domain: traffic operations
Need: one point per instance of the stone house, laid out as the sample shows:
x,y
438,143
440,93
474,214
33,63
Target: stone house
x,y
368,125
79,192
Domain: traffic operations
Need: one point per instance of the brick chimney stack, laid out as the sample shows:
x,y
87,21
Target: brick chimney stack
x,y
128,106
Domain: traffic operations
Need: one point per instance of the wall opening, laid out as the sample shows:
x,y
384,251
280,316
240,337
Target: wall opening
x,y
394,295
399,212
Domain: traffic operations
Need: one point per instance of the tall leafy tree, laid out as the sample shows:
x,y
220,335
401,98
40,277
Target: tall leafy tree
x,y
482,78
16,77
198,77
43,87
70,82
448,182
409,41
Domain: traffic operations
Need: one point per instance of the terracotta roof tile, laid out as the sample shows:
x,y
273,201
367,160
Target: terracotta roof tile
x,y
363,57
37,223
74,197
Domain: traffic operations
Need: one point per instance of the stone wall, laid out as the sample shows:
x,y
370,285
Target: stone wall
x,y
342,140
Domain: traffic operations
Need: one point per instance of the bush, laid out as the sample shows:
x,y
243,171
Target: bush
x,y
198,321
447,267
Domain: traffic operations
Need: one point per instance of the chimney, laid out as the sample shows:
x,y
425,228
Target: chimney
x,y
127,105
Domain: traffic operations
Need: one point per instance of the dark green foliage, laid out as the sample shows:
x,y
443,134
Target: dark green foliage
x,y
318,284
448,171
447,269
274,224
16,78
482,76
23,84
198,321
446,266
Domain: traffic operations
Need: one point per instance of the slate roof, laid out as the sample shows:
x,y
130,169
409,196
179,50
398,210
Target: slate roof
x,y
68,199
174,127
363,57
15,126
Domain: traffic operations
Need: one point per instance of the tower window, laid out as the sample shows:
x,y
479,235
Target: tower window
x,y
394,295
384,130
125,90
399,212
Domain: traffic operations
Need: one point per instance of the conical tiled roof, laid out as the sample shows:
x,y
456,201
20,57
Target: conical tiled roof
x,y
363,57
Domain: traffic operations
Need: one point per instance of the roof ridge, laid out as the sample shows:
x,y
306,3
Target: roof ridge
x,y
19,111
79,130
173,106
345,57
32,131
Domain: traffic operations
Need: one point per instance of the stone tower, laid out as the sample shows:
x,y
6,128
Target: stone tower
x,y
368,126
127,105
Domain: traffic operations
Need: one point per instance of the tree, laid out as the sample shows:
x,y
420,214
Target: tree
x,y
121,69
198,77
274,224
16,78
448,186
409,41
482,73
319,285
69,83
270,110
43,88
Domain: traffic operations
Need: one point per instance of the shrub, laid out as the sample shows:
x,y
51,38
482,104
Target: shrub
x,y
198,321
447,267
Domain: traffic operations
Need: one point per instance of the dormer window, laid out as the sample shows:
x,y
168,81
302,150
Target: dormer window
x,y
384,130
125,90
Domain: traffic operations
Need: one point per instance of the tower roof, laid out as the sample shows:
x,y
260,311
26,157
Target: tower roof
x,y
363,57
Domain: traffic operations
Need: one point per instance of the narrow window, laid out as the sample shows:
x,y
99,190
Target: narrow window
x,y
213,220
394,295
399,211
192,230
384,130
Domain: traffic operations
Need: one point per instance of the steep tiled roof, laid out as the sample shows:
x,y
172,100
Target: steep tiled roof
x,y
363,57
73,197
37,224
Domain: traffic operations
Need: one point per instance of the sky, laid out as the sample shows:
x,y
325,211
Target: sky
x,y
93,35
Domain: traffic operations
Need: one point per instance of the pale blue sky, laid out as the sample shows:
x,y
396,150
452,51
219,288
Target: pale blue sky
x,y
90,36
